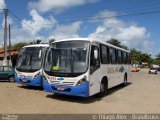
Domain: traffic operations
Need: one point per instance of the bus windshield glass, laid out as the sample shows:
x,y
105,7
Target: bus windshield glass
x,y
69,58
30,59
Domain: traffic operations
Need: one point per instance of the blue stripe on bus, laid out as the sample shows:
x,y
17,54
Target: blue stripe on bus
x,y
29,81
82,90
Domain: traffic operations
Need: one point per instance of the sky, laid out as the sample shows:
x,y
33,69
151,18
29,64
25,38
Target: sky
x,y
99,19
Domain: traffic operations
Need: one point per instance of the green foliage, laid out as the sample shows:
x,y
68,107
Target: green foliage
x,y
158,57
19,45
156,61
51,40
38,41
135,56
117,43
138,57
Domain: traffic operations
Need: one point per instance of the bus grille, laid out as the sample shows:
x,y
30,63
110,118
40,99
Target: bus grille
x,y
28,76
63,83
22,76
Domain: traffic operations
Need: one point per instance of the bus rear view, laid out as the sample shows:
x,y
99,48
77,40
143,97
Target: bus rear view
x,y
29,65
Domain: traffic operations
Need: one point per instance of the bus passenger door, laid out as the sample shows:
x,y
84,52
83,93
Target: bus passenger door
x,y
94,71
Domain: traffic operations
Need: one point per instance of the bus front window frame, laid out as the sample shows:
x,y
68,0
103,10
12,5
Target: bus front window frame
x,y
31,54
73,49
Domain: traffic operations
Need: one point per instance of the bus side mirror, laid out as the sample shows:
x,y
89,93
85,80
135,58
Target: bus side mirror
x,y
95,54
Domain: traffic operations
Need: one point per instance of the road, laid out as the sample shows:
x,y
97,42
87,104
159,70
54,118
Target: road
x,y
140,96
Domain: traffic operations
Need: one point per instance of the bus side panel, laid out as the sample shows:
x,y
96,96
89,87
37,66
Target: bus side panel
x,y
113,73
95,80
129,74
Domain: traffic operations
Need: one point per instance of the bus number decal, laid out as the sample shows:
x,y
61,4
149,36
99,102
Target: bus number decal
x,y
52,78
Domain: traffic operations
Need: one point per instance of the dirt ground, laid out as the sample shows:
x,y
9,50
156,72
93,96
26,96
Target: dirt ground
x,y
140,96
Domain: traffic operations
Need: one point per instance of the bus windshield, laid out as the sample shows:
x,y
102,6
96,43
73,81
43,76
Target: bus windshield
x,y
30,59
68,58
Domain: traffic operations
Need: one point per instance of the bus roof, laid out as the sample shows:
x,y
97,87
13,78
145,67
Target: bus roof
x,y
37,45
91,40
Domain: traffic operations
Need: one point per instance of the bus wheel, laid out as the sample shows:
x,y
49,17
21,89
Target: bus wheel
x,y
103,89
125,80
11,78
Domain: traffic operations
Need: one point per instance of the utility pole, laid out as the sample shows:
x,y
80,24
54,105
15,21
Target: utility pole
x,y
5,36
10,44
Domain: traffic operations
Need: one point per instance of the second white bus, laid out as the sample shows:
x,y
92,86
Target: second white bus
x,y
84,67
29,66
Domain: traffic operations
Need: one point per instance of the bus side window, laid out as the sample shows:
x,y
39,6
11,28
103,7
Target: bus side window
x,y
129,58
116,56
122,58
119,56
104,54
94,62
113,55
125,57
110,54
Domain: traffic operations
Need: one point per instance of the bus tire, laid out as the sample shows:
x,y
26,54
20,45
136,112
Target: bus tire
x,y
125,80
103,88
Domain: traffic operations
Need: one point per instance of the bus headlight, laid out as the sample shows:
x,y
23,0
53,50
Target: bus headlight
x,y
84,79
37,75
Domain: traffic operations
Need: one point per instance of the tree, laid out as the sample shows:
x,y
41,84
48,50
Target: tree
x,y
156,61
117,43
138,57
38,41
19,45
51,40
135,56
158,57
146,58
114,42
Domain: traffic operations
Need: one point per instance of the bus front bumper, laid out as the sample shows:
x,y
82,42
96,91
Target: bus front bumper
x,y
29,81
81,91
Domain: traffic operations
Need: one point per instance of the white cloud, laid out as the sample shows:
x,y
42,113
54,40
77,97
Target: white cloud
x,y
37,23
22,35
2,4
31,29
66,31
129,34
47,5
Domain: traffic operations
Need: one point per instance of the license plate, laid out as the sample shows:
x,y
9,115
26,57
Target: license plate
x,y
60,89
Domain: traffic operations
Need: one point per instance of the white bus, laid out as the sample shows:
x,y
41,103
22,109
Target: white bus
x,y
84,67
29,65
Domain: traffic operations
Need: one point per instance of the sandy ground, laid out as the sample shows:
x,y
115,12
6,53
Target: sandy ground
x,y
140,96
